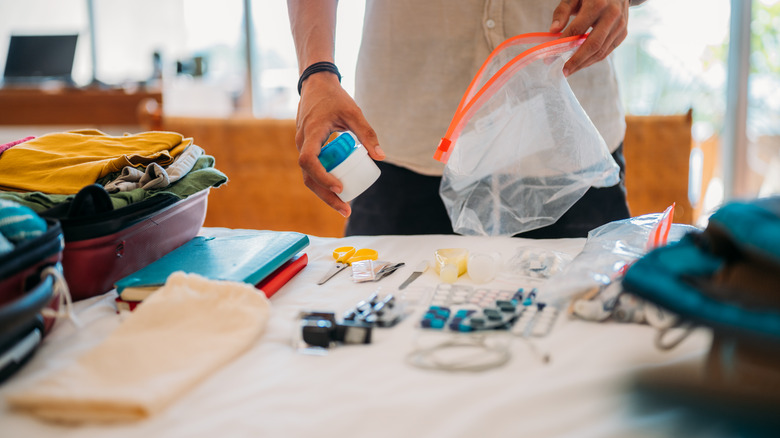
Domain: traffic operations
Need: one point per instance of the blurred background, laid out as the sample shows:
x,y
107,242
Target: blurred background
x,y
712,66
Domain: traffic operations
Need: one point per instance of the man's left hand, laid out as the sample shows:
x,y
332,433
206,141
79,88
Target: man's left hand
x,y
609,20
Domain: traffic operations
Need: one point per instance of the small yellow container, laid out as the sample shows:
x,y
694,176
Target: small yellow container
x,y
451,263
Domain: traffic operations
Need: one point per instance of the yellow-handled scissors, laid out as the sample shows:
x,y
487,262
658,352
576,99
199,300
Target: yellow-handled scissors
x,y
345,256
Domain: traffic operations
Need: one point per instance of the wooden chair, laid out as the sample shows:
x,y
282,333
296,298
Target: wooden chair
x,y
657,150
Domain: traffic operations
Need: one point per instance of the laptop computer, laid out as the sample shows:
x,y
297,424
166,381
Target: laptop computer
x,y
33,59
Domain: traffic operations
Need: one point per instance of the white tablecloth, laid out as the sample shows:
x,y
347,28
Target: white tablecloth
x,y
370,390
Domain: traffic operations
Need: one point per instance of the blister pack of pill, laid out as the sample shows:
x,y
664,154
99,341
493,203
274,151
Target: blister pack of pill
x,y
462,308
455,294
535,320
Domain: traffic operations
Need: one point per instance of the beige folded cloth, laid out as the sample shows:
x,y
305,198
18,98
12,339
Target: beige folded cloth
x,y
179,336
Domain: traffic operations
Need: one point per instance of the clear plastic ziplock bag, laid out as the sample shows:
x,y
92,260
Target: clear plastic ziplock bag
x,y
609,250
520,150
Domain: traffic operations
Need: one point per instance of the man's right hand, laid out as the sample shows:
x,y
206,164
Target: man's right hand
x,y
325,107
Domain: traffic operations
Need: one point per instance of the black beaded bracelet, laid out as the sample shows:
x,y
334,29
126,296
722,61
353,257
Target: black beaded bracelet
x,y
316,68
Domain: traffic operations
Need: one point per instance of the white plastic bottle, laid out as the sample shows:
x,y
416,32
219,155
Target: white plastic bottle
x,y
349,162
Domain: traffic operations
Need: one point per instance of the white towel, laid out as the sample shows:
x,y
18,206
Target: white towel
x,y
181,334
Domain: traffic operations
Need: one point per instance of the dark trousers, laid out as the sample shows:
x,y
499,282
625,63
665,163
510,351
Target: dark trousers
x,y
405,202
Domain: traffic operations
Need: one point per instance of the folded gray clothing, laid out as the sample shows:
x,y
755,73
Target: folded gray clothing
x,y
155,176
184,162
127,180
131,178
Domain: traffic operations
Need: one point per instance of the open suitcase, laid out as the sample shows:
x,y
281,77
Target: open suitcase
x,y
103,245
108,236
26,289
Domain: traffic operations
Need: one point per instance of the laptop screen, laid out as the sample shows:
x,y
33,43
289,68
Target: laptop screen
x,y
32,57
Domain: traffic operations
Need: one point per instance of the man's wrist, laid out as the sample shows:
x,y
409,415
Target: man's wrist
x,y
318,67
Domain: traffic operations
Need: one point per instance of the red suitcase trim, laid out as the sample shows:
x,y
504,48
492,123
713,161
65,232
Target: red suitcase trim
x,y
92,266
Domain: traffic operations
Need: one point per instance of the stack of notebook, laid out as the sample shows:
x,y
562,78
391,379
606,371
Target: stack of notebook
x,y
266,259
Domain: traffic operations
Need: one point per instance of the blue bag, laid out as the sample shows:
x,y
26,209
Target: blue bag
x,y
726,277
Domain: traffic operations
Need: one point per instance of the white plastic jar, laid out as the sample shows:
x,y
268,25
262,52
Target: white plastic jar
x,y
349,162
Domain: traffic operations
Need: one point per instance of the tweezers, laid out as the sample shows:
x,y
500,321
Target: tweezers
x,y
387,270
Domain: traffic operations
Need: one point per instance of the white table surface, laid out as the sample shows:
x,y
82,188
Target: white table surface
x,y
370,390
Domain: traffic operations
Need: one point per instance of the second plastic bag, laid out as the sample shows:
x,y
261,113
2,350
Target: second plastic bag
x,y
520,150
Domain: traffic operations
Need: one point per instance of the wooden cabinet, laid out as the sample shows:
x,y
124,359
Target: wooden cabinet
x,y
72,106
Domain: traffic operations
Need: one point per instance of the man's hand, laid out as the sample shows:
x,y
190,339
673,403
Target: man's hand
x,y
609,20
325,107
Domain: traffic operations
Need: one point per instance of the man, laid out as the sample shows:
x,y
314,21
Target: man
x,y
416,60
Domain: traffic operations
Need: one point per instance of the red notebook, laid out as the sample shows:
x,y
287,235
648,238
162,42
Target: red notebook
x,y
269,286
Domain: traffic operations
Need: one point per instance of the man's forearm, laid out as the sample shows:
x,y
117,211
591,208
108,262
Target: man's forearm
x,y
313,24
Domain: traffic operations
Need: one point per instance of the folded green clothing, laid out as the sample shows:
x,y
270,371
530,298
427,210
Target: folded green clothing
x,y
202,176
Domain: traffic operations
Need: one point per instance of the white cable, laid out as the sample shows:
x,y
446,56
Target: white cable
x,y
541,355
60,292
484,357
663,343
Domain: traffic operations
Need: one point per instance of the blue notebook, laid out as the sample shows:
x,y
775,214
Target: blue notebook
x,y
247,258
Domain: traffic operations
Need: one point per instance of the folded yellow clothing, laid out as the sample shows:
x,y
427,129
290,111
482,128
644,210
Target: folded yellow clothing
x,y
181,334
64,162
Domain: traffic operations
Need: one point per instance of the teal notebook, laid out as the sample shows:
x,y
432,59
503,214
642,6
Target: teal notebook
x,y
248,258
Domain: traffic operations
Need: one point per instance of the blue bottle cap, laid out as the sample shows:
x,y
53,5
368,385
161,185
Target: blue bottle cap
x,y
336,151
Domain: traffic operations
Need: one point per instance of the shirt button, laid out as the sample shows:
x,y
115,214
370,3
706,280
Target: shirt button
x,y
490,24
